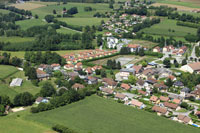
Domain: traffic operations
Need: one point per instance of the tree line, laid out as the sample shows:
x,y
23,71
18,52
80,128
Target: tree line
x,y
112,64
6,59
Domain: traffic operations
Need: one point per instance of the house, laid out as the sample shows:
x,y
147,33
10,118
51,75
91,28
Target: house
x,y
196,93
160,110
78,86
171,105
137,104
41,100
156,49
133,47
192,67
16,82
178,84
151,81
125,86
125,73
184,119
42,67
108,34
154,99
173,78
176,101
164,99
88,70
72,75
91,80
107,91
110,83
147,73
69,67
121,96
42,75
160,86
127,3
79,65
184,91
143,92
138,69
112,42
198,114
55,66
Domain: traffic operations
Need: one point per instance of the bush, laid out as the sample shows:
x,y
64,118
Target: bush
x,y
62,129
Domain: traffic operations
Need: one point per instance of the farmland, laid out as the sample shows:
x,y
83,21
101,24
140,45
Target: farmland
x,y
25,24
95,114
6,71
16,39
165,28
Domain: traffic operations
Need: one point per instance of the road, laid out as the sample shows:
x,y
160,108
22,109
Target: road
x,y
193,55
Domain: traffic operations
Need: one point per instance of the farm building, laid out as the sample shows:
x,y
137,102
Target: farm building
x,y
16,82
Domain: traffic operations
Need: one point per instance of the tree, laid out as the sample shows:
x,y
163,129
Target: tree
x,y
36,16
184,62
167,63
118,65
103,74
198,33
99,40
23,99
54,11
169,82
144,63
47,90
49,18
141,52
184,105
2,110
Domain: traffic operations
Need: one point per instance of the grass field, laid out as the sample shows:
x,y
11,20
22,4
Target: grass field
x,y
16,39
66,31
144,43
6,70
83,21
28,6
99,115
20,54
163,29
4,11
25,24
186,5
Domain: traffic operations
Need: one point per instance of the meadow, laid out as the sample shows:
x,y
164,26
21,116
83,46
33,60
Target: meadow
x,y
164,27
4,11
15,39
6,71
99,115
66,31
25,24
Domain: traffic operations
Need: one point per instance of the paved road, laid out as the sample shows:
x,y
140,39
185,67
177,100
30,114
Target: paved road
x,y
193,55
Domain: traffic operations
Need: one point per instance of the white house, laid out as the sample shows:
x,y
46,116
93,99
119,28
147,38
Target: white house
x,y
112,42
192,67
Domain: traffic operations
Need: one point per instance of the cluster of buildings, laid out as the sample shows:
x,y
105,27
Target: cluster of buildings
x,y
122,23
171,49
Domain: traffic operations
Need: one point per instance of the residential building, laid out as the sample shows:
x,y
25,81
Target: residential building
x,y
191,68
160,110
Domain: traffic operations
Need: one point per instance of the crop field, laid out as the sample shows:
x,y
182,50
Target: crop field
x,y
166,28
25,24
28,6
83,21
20,54
4,11
124,59
144,43
66,31
6,70
16,39
99,115
186,5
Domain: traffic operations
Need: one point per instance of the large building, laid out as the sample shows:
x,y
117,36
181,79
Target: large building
x,y
192,67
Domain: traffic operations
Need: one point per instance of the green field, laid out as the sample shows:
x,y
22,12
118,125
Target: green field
x,y
6,70
83,21
163,29
99,115
16,39
25,24
4,11
66,31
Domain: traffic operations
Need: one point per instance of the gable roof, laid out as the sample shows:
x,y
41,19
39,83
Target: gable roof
x,y
120,96
165,99
170,105
159,109
142,92
78,86
154,98
177,101
125,86
195,66
140,82
109,81
137,68
107,90
136,103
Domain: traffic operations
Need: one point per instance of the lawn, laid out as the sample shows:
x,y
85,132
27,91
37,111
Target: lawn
x,y
20,54
163,29
66,31
25,24
6,70
16,39
99,115
83,21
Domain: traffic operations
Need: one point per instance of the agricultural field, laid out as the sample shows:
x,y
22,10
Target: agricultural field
x,y
166,28
16,39
123,59
66,31
186,5
4,11
83,21
25,24
7,70
27,6
97,115
144,43
20,54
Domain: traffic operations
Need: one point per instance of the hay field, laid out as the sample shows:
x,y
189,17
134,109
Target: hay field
x,y
28,6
